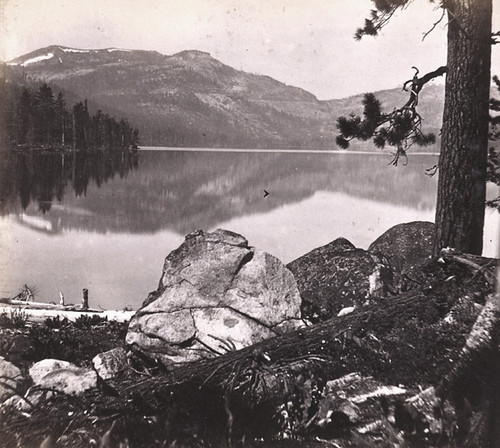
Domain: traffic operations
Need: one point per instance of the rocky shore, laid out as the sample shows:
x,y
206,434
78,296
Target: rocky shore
x,y
342,347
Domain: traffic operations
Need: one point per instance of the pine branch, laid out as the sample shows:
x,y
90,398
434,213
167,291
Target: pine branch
x,y
380,16
401,128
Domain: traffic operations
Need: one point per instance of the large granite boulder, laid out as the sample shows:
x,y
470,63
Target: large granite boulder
x,y
406,247
339,276
216,294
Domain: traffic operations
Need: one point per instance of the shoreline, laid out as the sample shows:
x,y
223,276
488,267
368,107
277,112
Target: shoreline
x,y
37,312
274,150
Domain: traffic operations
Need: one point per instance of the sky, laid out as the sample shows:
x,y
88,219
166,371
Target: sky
x,y
308,44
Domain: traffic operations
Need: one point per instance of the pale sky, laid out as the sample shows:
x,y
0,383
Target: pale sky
x,y
308,44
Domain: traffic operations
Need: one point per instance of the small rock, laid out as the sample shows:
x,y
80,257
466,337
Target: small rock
x,y
361,399
10,376
358,389
111,363
346,310
63,376
351,410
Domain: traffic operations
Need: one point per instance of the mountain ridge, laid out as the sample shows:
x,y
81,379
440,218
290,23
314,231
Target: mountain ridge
x,y
192,99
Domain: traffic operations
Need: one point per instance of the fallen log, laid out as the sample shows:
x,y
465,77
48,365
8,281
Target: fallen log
x,y
38,311
48,306
326,340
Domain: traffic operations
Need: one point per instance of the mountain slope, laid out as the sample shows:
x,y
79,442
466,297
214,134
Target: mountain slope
x,y
191,99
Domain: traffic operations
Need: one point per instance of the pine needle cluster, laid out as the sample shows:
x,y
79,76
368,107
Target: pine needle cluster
x,y
400,128
384,10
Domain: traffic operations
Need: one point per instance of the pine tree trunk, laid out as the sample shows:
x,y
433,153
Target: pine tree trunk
x,y
74,129
464,143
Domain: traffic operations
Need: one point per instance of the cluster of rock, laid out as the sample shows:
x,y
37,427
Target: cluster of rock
x,y
218,294
340,276
57,375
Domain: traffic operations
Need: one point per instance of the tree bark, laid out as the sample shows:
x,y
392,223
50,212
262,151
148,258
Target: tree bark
x,y
464,143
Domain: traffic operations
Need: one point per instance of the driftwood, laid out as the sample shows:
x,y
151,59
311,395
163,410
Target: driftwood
x,y
33,313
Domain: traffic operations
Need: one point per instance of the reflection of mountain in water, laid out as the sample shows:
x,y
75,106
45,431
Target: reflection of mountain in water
x,y
183,191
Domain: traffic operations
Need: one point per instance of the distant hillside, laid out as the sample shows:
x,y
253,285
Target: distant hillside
x,y
191,99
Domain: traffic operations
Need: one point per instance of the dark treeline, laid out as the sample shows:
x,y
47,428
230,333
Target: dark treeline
x,y
38,117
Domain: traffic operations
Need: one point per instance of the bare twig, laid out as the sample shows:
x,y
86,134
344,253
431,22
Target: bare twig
x,y
399,153
435,24
417,84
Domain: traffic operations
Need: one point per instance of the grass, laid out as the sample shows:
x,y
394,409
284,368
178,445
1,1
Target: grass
x,y
16,318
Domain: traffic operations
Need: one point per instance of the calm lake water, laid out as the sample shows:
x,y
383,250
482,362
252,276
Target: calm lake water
x,y
106,223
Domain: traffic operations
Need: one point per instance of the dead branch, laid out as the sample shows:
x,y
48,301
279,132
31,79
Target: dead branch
x,y
417,84
435,24
448,254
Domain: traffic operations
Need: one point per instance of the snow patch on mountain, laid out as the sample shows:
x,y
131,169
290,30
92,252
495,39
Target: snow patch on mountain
x,y
74,50
37,59
110,50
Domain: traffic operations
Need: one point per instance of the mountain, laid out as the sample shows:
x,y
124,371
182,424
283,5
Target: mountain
x,y
192,99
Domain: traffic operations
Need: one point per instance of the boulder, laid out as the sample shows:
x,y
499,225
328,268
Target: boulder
x,y
10,377
407,247
216,294
62,376
337,276
110,364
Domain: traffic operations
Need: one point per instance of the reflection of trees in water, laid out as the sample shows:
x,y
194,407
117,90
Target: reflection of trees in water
x,y
44,177
184,191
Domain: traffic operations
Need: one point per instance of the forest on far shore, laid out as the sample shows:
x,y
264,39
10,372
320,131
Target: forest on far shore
x,y
36,117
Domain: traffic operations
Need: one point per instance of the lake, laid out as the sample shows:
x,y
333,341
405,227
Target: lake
x,y
107,222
